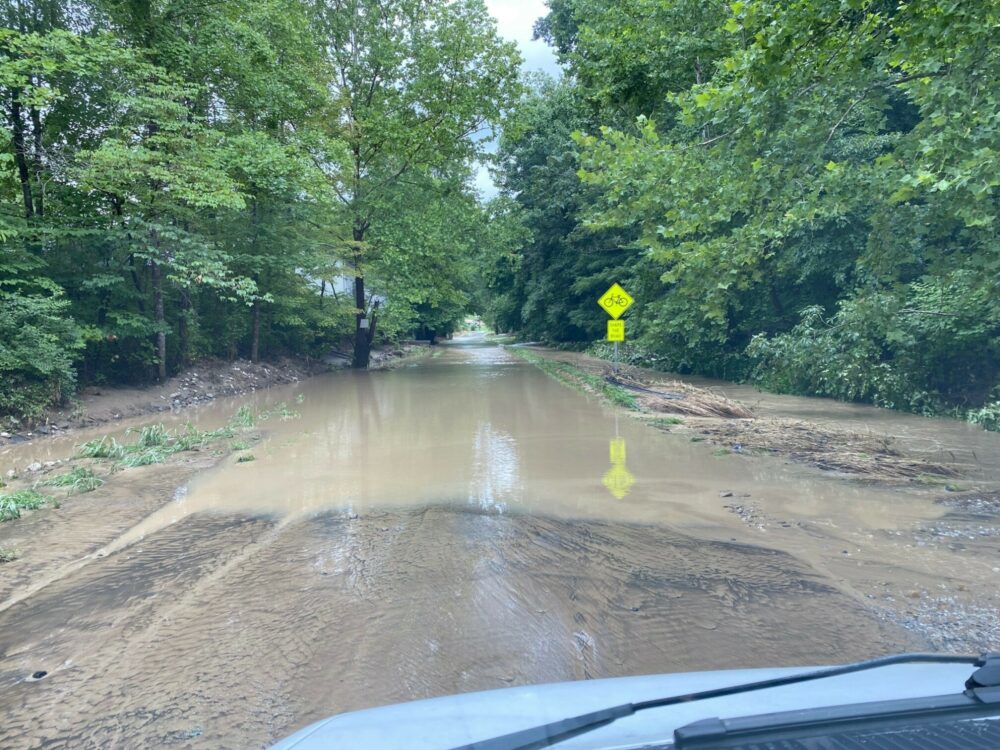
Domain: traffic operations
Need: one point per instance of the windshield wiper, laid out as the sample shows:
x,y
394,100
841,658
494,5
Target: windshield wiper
x,y
546,735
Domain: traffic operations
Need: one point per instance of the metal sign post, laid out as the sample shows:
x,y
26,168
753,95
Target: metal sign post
x,y
615,302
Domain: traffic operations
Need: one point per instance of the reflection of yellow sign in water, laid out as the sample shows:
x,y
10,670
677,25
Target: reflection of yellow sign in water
x,y
616,330
618,479
615,301
617,450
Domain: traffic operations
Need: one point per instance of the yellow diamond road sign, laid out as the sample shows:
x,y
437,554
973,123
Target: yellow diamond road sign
x,y
615,301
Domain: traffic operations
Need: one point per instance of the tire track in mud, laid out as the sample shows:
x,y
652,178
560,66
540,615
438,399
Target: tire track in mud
x,y
219,632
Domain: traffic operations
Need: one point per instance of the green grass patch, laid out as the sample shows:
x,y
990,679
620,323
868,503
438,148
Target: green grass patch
x,y
155,444
666,421
574,377
244,418
13,503
281,411
7,554
78,479
246,458
145,457
104,448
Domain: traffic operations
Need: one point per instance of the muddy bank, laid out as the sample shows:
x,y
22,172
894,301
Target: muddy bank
x,y
723,415
200,384
226,631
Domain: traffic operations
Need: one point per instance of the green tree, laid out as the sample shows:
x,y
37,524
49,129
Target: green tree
x,y
413,84
858,140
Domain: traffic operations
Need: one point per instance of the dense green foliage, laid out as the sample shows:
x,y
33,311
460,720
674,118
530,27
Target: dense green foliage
x,y
801,192
182,179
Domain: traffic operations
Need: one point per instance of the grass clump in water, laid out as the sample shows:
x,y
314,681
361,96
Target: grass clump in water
x,y
244,419
78,479
155,444
581,380
104,448
666,421
7,554
246,458
145,457
13,503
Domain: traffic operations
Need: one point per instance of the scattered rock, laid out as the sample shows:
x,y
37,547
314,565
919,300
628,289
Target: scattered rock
x,y
725,493
4,434
35,467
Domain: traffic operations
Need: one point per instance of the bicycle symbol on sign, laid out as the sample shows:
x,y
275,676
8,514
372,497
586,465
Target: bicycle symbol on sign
x,y
615,301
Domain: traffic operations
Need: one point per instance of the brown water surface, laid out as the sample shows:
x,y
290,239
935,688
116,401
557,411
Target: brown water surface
x,y
461,523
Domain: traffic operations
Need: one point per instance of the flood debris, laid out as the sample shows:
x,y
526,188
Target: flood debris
x,y
675,397
668,403
735,427
870,455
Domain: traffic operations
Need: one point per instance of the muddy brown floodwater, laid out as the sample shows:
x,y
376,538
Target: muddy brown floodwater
x,y
462,523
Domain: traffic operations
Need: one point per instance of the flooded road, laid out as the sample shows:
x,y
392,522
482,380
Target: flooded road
x,y
461,523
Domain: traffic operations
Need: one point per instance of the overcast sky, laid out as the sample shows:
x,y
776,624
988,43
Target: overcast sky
x,y
515,19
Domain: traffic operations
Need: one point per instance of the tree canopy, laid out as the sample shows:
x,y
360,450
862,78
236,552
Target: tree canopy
x,y
181,179
802,193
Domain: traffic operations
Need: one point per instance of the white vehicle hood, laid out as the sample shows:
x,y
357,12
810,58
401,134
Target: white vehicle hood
x,y
456,720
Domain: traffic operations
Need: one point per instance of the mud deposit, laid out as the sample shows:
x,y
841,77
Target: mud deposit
x,y
462,523
224,633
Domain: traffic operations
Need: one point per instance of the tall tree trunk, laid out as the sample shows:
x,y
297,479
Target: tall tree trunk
x,y
255,333
36,131
362,339
161,333
362,342
23,174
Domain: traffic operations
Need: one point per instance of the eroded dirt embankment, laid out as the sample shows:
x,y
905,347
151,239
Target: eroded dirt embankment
x,y
199,384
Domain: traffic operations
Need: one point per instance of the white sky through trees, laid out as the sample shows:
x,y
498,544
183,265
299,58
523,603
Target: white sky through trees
x,y
515,19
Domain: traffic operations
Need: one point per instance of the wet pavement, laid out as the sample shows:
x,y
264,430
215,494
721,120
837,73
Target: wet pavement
x,y
461,523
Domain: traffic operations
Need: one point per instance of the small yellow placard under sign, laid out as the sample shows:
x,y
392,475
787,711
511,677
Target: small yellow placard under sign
x,y
615,301
616,330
